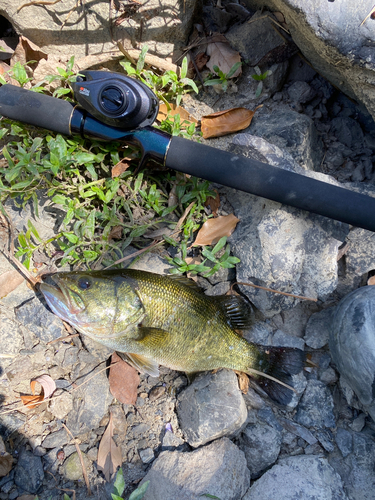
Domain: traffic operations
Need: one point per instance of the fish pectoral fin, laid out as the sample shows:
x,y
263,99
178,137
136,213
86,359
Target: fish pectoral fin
x,y
141,363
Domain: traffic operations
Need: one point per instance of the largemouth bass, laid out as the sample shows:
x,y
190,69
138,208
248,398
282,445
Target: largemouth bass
x,y
167,320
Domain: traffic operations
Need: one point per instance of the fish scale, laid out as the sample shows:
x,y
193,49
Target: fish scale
x,y
156,319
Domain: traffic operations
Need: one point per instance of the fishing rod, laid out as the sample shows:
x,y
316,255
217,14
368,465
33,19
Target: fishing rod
x,y
113,107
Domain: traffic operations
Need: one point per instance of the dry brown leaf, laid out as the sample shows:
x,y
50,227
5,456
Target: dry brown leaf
x,y
47,383
27,51
214,229
371,280
123,380
115,233
9,281
109,454
213,203
201,60
26,497
48,388
120,167
222,55
243,381
226,122
175,110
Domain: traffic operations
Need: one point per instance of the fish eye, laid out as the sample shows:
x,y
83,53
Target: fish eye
x,y
84,283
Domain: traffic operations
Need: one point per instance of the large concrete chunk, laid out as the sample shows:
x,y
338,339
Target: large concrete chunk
x,y
218,469
211,407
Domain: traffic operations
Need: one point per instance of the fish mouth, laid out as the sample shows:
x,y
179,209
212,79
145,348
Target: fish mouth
x,y
62,300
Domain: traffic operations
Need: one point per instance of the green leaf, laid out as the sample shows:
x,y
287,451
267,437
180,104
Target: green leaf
x,y
116,497
233,69
7,157
22,240
59,92
59,199
209,255
259,89
119,483
90,255
3,132
82,158
184,67
141,60
219,245
33,230
66,497
90,225
210,496
139,493
71,237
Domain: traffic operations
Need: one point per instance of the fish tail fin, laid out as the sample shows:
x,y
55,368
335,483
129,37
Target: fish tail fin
x,y
275,369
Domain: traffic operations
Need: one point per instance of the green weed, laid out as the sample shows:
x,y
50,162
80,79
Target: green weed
x,y
223,79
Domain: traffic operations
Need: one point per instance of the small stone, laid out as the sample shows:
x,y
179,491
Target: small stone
x,y
344,441
29,472
61,406
140,429
156,393
72,469
171,442
317,328
301,92
56,439
211,407
316,406
147,455
325,438
328,376
218,469
358,423
261,445
92,454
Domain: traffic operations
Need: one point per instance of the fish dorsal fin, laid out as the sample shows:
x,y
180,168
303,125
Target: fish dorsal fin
x,y
186,282
238,311
141,363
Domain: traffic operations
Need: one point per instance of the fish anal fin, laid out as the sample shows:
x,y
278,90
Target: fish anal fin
x,y
141,363
239,313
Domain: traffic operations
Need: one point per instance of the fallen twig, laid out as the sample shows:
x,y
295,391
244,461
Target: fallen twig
x,y
273,291
368,15
67,337
39,2
84,471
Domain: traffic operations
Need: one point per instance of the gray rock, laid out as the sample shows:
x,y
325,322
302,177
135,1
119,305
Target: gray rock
x,y
171,442
325,438
72,468
217,469
56,439
333,39
317,328
298,430
261,444
165,27
352,344
360,257
304,476
358,423
281,339
29,473
36,317
316,406
347,131
301,92
357,468
11,341
90,402
280,247
147,455
211,407
293,132
344,441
